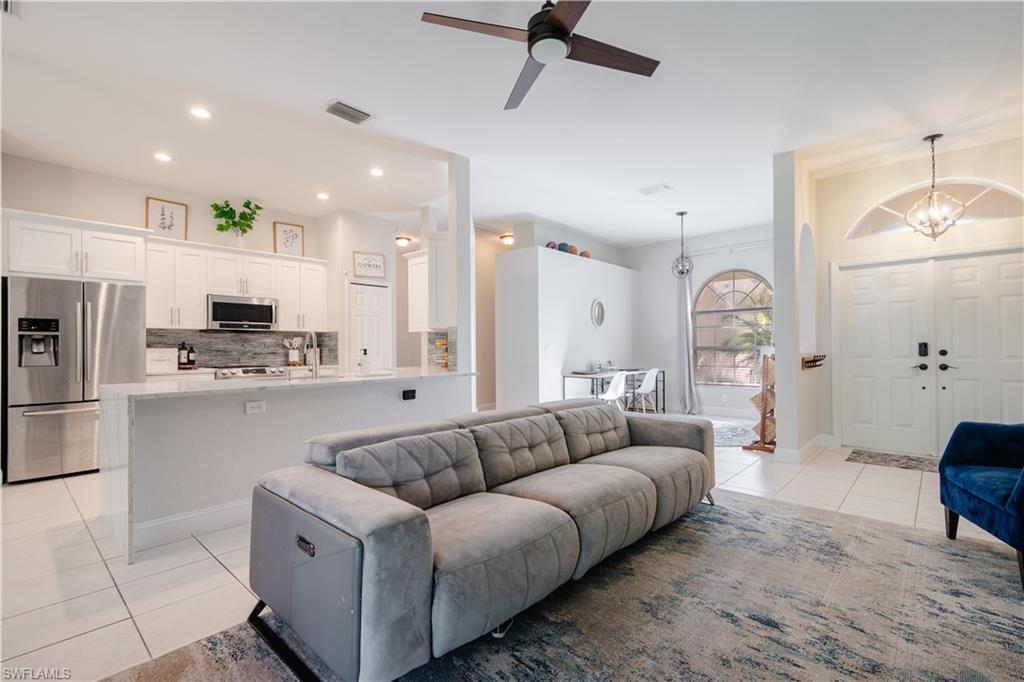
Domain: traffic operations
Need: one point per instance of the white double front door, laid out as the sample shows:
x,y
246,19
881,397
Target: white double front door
x,y
925,345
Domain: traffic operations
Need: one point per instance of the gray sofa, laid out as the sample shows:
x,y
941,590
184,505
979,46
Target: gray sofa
x,y
396,544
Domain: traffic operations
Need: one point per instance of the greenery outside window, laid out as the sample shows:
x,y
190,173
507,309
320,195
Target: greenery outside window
x,y
732,324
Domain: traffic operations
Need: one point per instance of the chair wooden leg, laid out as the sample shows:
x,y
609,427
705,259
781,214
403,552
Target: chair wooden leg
x,y
952,521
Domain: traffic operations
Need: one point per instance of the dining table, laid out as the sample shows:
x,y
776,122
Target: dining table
x,y
634,376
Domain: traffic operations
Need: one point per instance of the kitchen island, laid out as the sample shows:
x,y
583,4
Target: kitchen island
x,y
181,457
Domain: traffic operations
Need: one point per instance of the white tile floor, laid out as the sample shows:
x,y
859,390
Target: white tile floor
x,y
67,600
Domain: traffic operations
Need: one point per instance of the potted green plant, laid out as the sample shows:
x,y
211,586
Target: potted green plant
x,y
241,222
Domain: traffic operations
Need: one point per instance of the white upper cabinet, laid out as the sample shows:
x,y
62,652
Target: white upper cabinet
x,y
160,308
258,277
314,297
224,274
190,287
113,256
62,247
419,291
289,296
45,249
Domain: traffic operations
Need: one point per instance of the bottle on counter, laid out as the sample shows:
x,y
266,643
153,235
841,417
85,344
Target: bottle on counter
x,y
182,356
192,357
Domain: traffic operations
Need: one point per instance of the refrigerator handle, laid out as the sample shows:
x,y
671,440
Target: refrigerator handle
x,y
78,342
87,346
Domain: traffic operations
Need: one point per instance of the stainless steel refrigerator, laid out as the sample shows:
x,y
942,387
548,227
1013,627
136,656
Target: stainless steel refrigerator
x,y
61,341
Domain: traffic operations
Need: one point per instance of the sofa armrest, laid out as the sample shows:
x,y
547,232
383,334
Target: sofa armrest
x,y
674,430
985,444
397,563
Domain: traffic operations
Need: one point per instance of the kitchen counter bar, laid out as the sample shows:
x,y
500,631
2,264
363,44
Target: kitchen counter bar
x,y
181,457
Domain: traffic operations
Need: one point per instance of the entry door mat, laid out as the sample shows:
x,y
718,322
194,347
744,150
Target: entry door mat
x,y
733,433
750,589
889,459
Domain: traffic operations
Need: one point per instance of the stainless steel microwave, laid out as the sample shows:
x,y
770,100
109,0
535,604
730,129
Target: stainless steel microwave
x,y
241,313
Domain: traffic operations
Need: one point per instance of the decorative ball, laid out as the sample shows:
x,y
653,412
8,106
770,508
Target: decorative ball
x,y
585,254
573,250
552,245
563,247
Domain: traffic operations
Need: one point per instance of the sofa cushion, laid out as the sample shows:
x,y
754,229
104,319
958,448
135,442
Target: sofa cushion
x,y
519,447
612,506
323,450
466,421
592,430
992,484
553,406
494,555
682,477
421,470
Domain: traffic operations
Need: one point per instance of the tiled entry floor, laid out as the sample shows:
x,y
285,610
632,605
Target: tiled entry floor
x,y
68,601
828,481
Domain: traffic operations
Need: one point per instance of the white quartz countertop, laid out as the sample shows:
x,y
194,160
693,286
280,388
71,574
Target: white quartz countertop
x,y
177,387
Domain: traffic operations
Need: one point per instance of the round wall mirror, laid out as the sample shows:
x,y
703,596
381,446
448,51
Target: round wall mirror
x,y
597,312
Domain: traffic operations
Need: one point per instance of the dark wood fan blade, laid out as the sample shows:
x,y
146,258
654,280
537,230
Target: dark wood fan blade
x,y
566,14
529,74
477,27
594,52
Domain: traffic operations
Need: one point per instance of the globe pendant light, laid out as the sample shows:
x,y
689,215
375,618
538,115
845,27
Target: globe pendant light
x,y
936,211
682,265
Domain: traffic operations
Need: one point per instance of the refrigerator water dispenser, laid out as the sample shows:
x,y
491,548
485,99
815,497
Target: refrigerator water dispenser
x,y
38,342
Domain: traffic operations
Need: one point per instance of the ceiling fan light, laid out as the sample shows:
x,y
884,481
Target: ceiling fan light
x,y
550,48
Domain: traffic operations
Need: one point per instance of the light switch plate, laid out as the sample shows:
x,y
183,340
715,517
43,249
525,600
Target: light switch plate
x,y
255,406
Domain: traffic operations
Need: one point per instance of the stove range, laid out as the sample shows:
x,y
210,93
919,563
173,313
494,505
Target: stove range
x,y
251,373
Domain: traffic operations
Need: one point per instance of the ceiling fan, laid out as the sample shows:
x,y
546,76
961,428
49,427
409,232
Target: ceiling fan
x,y
549,38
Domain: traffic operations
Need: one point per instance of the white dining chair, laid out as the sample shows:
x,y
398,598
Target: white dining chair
x,y
642,396
616,390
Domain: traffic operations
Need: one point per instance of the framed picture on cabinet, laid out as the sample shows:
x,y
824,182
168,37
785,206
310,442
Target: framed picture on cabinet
x,y
167,218
288,239
368,264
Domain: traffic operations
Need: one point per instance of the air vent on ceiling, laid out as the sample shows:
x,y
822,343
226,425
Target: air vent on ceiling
x,y
655,189
349,113
7,7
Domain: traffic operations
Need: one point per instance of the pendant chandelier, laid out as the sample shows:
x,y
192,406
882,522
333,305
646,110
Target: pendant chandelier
x,y
936,211
682,265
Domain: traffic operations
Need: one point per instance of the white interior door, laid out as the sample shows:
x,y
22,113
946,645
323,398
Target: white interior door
x,y
980,327
369,324
887,403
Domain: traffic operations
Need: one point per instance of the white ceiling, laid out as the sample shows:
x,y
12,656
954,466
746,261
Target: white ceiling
x,y
102,86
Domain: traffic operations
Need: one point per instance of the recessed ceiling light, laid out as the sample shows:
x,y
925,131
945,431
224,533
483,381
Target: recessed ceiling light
x,y
200,112
323,196
376,172
162,156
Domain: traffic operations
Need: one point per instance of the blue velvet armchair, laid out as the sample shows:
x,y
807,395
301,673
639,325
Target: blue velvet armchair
x,y
981,477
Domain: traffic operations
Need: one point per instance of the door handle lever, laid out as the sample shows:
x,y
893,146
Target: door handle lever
x,y
944,367
923,366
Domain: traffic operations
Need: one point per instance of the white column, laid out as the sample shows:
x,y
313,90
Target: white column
x,y
461,235
785,322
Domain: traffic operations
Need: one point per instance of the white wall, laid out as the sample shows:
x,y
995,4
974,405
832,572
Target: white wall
x,y
32,185
488,247
658,305
554,291
341,233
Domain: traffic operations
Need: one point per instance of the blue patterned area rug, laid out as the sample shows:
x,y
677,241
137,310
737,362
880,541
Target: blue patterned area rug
x,y
749,589
889,459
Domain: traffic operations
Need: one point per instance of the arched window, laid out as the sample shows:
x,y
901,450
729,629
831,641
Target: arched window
x,y
732,322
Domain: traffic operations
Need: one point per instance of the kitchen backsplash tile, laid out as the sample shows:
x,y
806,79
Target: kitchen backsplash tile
x,y
226,349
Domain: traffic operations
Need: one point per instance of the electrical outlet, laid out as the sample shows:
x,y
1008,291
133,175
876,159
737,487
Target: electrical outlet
x,y
255,406
725,397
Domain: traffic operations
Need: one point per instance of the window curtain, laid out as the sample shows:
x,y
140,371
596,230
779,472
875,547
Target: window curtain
x,y
687,381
